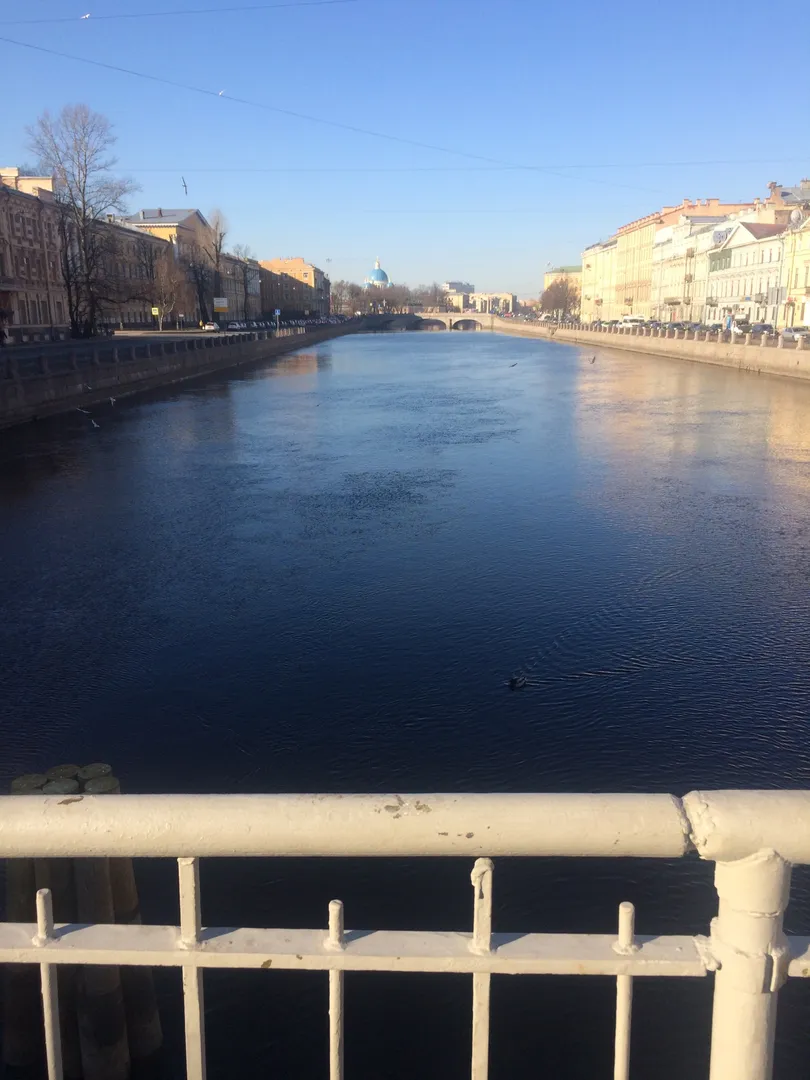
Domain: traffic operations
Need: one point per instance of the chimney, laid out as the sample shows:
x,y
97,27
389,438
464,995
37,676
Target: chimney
x,y
143,214
160,212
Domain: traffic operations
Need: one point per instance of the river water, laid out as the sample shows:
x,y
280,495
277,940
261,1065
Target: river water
x,y
318,575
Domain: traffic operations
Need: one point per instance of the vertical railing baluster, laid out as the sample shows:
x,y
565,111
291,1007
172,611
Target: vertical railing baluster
x,y
481,943
193,997
752,955
50,993
336,941
624,994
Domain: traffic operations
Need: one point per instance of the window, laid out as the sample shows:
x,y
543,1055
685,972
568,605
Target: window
x,y
796,279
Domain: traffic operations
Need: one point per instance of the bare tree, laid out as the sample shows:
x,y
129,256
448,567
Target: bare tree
x,y
164,284
199,274
341,298
432,297
75,148
248,273
215,247
561,298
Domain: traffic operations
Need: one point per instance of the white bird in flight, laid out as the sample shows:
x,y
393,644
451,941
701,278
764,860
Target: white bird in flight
x,y
95,424
220,93
112,400
87,16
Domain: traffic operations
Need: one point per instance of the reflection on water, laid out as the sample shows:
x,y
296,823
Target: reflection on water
x,y
319,574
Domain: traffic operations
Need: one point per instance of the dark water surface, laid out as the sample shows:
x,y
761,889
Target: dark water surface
x,y
318,575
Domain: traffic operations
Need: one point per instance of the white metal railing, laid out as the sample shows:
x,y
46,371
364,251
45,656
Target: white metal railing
x,y
753,837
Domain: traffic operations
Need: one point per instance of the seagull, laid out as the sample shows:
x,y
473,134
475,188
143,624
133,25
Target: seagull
x,y
86,413
593,359
517,682
87,387
94,423
112,400
87,16
513,365
220,93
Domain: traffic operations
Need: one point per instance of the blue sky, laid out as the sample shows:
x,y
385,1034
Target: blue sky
x,y
609,112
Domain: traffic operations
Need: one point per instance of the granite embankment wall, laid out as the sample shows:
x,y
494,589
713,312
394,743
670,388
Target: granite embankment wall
x,y
760,355
58,380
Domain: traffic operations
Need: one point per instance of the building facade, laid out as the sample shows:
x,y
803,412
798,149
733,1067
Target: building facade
x,y
796,270
573,273
315,293
598,282
744,274
241,287
680,268
33,304
187,229
631,264
130,260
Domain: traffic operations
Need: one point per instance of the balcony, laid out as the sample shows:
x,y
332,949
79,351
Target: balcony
x,y
753,837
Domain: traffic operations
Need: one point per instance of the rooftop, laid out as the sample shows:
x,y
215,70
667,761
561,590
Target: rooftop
x,y
162,216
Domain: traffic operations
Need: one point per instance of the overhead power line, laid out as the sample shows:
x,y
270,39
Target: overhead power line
x,y
223,95
465,168
90,18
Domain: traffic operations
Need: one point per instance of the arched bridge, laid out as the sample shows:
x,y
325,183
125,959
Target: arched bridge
x,y
455,320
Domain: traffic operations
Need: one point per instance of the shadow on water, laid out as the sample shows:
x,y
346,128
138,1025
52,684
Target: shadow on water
x,y
318,575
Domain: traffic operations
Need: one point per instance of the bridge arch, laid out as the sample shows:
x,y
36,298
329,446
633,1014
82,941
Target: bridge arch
x,y
466,323
432,324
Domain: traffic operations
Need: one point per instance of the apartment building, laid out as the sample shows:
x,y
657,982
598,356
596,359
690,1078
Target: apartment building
x,y
315,296
33,304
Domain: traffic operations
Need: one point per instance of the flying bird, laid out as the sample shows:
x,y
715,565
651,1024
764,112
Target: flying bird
x,y
185,185
86,413
513,365
220,93
87,16
593,359
95,424
112,400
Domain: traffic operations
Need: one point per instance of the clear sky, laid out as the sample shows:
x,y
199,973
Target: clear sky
x,y
603,112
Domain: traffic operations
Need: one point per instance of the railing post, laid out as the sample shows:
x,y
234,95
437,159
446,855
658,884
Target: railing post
x,y
752,956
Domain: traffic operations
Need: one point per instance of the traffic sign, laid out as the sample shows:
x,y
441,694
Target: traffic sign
x,y
155,310
220,303
277,312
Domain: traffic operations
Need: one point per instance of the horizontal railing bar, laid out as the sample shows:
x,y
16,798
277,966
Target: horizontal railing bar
x,y
730,825
377,950
342,825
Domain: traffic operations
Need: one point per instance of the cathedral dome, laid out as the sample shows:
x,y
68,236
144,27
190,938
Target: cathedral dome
x,y
378,277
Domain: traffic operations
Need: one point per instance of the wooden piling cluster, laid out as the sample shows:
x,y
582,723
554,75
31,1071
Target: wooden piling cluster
x,y
108,1015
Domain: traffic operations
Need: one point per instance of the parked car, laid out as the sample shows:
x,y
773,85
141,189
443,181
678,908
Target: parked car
x,y
796,333
762,328
210,327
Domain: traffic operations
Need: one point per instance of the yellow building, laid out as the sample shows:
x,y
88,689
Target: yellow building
x,y
632,264
573,273
598,282
317,287
796,272
186,229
